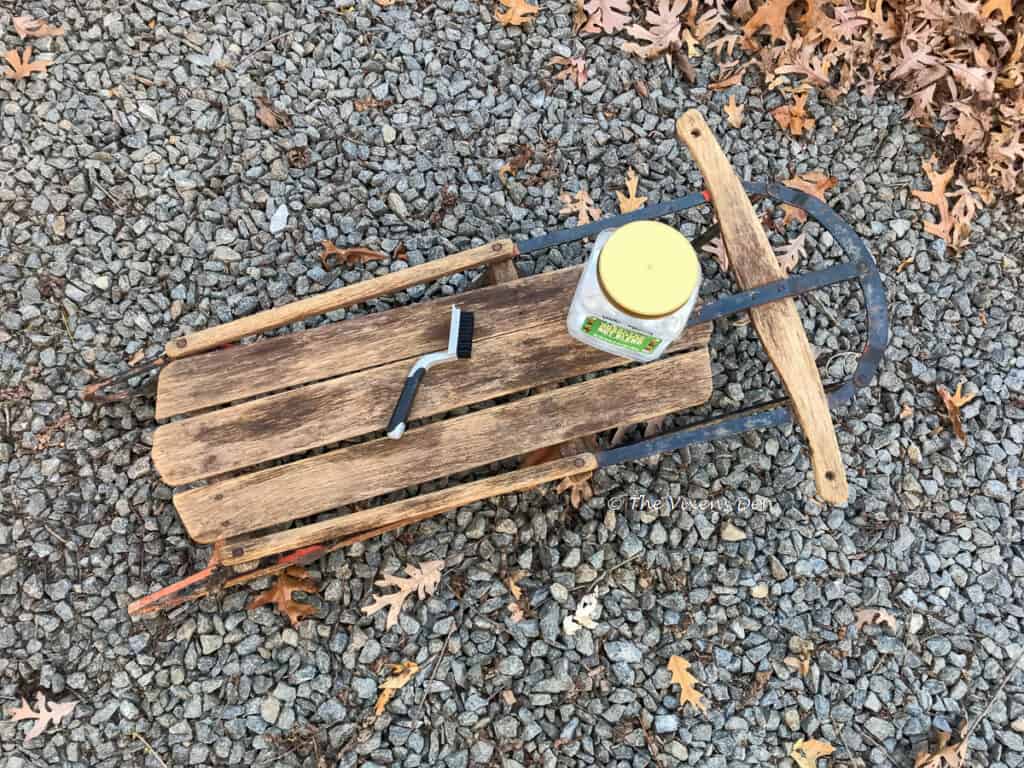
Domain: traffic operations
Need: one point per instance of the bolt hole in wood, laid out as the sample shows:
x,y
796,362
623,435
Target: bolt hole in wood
x,y
830,475
695,133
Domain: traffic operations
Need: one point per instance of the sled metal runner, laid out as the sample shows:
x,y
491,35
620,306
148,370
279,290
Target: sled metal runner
x,y
306,542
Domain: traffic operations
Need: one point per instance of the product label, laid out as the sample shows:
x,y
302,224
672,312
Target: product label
x,y
619,335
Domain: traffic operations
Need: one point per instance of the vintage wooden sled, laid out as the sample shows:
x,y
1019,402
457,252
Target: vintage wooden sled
x,y
263,439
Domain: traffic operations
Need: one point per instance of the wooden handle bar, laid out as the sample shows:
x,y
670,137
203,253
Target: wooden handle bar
x,y
777,324
346,296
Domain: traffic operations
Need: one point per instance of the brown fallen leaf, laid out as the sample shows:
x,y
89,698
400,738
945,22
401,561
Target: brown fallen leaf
x,y
26,26
401,674
421,579
49,713
23,67
664,30
515,607
573,69
630,201
521,159
953,402
793,117
734,78
518,12
299,157
364,105
280,595
789,255
806,752
688,693
581,205
269,116
815,184
946,754
906,411
332,256
716,248
578,487
604,15
936,196
734,112
771,14
875,616
1005,7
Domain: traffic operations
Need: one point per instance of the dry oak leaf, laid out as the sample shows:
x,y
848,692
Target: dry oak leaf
x,y
1003,6
875,616
26,26
422,579
293,580
734,112
605,15
666,26
514,608
936,196
269,116
946,755
716,248
332,256
688,694
401,674
789,255
630,201
518,13
807,751
23,67
52,712
793,117
815,184
581,205
953,403
578,487
728,82
771,14
574,69
524,153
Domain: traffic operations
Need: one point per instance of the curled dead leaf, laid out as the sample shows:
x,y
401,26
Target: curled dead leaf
x,y
332,256
815,184
280,595
875,616
793,117
401,674
26,26
947,752
517,13
269,116
953,402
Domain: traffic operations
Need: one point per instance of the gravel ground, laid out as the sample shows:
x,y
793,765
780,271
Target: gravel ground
x,y
136,197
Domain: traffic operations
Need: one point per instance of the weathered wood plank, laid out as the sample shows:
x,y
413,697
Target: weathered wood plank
x,y
254,501
777,324
342,408
269,365
405,511
347,296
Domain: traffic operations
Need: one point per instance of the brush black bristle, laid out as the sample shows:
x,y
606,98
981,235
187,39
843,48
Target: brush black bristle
x,y
464,347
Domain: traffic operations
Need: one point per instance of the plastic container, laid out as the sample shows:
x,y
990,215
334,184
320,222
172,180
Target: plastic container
x,y
637,291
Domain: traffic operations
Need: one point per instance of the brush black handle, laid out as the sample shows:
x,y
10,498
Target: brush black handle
x,y
396,427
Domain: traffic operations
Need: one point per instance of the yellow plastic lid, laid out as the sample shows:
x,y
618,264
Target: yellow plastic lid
x,y
648,269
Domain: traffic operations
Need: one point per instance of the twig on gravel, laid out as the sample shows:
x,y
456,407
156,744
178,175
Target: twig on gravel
x,y
995,695
248,57
433,673
888,755
149,748
606,574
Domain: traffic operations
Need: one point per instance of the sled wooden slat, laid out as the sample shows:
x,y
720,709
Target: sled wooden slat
x,y
406,511
292,491
347,296
237,373
345,407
